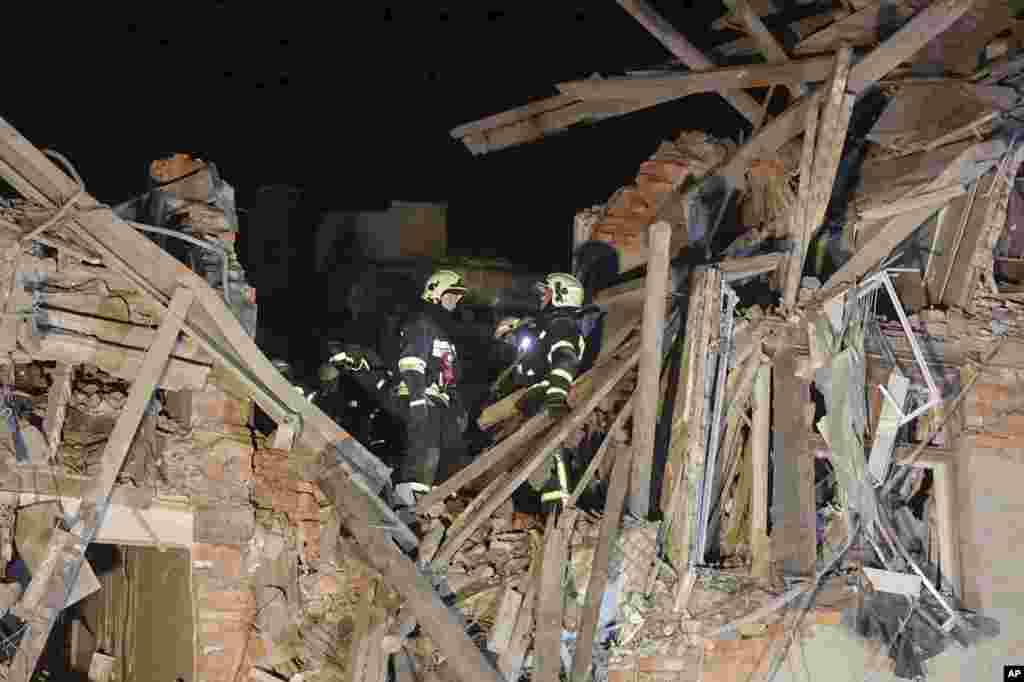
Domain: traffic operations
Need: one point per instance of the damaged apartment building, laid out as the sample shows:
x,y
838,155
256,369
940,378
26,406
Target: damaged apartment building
x,y
797,446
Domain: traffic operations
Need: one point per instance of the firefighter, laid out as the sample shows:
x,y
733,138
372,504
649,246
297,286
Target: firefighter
x,y
428,366
554,350
550,348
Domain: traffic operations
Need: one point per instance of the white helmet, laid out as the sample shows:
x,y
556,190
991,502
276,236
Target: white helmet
x,y
443,282
566,290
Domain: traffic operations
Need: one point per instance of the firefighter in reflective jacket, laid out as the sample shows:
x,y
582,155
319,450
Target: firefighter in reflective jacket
x,y
428,366
549,357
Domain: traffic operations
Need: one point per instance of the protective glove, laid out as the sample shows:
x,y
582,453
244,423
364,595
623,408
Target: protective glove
x,y
351,361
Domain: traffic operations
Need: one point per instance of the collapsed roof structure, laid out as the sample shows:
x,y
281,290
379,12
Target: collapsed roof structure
x,y
782,464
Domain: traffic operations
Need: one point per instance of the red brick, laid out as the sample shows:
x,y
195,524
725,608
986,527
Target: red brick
x,y
226,600
622,675
227,560
215,470
218,406
1015,423
991,392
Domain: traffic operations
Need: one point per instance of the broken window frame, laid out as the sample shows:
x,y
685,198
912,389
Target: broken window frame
x,y
882,279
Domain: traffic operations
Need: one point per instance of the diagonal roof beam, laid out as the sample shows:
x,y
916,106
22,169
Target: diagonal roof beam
x,y
656,89
682,48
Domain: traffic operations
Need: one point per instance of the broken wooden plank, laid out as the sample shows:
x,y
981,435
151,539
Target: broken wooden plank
x,y
439,622
890,234
859,29
932,200
57,405
611,377
690,425
513,116
679,46
119,361
829,141
798,213
548,122
610,521
930,114
504,623
657,89
359,647
794,544
760,434
899,47
770,48
510,663
652,332
547,642
748,47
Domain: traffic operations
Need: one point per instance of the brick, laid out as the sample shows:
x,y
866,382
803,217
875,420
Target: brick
x,y
626,675
328,584
991,392
218,407
227,600
226,559
652,664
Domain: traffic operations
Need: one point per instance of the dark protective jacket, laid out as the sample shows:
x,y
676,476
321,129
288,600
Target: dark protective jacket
x,y
555,359
428,361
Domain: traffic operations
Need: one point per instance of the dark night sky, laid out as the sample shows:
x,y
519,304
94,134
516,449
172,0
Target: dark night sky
x,y
356,106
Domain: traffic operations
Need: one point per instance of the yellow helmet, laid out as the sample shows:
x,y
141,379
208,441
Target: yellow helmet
x,y
443,282
566,290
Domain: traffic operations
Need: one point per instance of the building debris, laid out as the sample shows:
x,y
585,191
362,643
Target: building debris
x,y
785,436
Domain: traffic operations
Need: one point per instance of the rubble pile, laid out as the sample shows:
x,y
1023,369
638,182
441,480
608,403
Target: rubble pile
x,y
769,448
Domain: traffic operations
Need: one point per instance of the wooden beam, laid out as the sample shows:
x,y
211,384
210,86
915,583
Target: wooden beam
x,y
689,435
66,553
893,232
828,145
679,46
614,504
510,662
799,212
657,89
760,565
899,47
496,497
119,361
57,405
859,29
652,332
793,544
545,123
932,200
440,623
747,47
547,640
771,49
